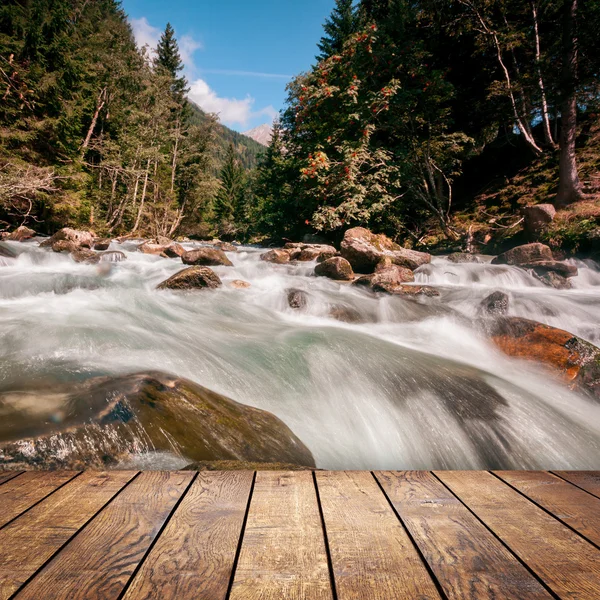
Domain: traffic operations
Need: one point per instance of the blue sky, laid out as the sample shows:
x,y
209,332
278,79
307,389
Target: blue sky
x,y
239,54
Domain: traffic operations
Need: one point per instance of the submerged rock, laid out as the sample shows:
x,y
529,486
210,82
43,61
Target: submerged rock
x,y
101,245
346,314
209,257
542,267
495,304
278,257
83,255
104,420
364,250
463,257
7,251
554,280
113,256
413,291
307,252
239,284
297,299
576,360
526,254
190,279
337,268
20,234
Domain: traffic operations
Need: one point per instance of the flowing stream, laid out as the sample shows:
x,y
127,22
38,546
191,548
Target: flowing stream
x,y
414,385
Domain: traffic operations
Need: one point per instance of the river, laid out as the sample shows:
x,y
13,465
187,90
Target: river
x,y
415,385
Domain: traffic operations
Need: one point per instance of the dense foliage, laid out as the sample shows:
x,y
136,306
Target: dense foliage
x,y
407,94
95,132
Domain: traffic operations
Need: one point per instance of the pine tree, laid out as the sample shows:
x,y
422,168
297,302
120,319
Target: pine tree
x,y
168,58
231,189
338,28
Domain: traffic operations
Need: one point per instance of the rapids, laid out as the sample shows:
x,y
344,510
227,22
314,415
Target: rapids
x,y
414,385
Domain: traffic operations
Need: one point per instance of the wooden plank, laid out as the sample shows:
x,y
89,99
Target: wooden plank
x,y
587,480
283,551
194,556
29,541
99,561
371,554
572,506
568,564
19,494
8,475
467,560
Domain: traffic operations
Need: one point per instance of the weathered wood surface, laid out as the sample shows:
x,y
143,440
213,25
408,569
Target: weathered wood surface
x,y
449,535
371,553
283,549
300,535
567,563
21,493
194,556
586,480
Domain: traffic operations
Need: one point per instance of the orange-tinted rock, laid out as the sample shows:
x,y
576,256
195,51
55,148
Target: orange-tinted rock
x,y
239,284
192,278
20,234
576,360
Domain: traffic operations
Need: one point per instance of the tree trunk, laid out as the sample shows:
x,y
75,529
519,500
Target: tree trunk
x,y
139,214
538,54
99,106
569,187
174,163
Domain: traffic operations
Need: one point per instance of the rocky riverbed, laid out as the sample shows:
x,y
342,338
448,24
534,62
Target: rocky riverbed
x,y
162,354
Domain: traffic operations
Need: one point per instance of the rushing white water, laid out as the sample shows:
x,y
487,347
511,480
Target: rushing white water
x,y
415,385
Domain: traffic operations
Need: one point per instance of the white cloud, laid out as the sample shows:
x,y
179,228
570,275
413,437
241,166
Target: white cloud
x,y
231,111
247,73
144,33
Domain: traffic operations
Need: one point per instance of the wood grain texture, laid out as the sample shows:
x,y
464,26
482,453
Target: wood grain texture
x,y
23,492
99,561
568,564
283,551
371,553
587,480
29,541
571,505
467,560
8,475
194,556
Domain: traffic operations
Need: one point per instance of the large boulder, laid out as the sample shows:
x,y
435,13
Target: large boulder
x,y
524,255
538,216
20,234
337,268
192,278
364,250
78,239
576,360
208,257
279,257
105,420
65,246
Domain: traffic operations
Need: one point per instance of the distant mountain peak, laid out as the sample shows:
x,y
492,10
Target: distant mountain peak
x,y
261,134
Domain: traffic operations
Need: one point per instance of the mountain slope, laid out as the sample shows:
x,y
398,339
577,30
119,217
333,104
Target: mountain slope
x,y
247,149
262,134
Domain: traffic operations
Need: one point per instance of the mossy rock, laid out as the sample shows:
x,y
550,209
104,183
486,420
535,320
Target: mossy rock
x,y
105,420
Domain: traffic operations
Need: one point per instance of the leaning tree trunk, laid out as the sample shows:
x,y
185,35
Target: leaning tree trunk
x,y
569,187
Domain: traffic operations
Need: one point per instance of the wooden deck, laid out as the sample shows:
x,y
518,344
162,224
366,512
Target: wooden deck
x,y
300,535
